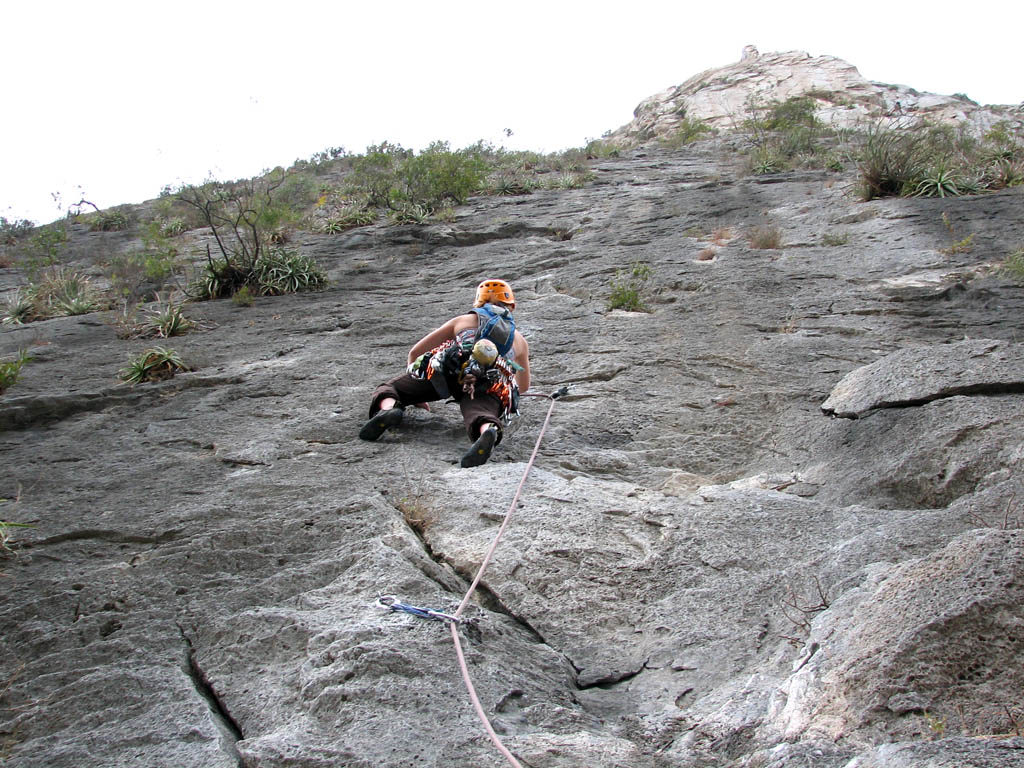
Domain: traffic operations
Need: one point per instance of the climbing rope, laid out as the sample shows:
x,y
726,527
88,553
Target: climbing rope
x,y
455,619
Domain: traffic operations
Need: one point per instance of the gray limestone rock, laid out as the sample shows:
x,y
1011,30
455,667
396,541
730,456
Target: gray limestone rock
x,y
705,569
923,374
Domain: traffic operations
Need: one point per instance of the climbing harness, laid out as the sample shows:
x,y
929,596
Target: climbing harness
x,y
454,360
455,619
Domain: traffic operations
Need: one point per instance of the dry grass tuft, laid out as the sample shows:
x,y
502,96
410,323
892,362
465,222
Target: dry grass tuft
x,y
765,237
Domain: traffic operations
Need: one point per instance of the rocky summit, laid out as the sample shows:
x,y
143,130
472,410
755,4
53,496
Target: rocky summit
x,y
842,98
778,520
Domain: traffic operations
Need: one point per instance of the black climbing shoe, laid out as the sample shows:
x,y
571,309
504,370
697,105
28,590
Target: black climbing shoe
x,y
480,451
380,422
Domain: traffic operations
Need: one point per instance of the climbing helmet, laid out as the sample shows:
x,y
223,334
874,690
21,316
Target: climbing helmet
x,y
494,290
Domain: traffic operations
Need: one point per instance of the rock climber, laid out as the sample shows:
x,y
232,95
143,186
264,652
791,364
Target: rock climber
x,y
478,359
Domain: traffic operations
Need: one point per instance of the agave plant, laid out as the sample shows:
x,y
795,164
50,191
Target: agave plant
x,y
507,184
1005,173
939,181
154,364
284,271
765,161
413,214
568,180
349,220
20,309
74,296
168,319
173,227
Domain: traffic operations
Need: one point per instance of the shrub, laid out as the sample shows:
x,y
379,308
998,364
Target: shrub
x,y
108,221
687,131
141,275
956,246
42,249
218,278
597,149
437,175
793,112
767,160
567,180
627,288
173,227
938,161
244,218
1003,173
154,364
832,239
10,370
69,293
241,215
391,177
784,134
1013,266
375,174
243,297
889,163
12,231
765,237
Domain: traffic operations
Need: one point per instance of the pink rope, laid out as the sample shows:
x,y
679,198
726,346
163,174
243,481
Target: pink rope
x,y
472,588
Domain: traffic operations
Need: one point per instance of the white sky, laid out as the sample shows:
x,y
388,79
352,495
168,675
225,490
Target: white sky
x,y
113,100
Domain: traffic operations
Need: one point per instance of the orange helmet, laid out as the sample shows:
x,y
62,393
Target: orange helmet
x,y
494,290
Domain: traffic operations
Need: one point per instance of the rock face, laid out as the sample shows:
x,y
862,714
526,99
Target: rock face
x,y
706,568
917,376
722,97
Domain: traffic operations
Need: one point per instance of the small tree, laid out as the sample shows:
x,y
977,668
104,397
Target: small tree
x,y
242,217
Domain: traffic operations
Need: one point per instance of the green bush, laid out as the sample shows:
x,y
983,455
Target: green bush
x,y
43,249
246,218
890,163
687,131
438,175
1013,266
928,160
833,239
12,231
785,134
114,220
411,213
243,297
627,288
598,149
141,275
10,370
375,174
